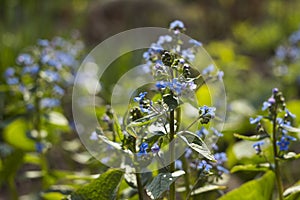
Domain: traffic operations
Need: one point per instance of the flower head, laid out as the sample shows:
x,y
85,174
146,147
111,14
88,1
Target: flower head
x,y
257,146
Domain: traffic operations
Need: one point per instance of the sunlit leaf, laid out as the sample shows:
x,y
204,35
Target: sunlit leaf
x,y
208,188
57,119
251,167
259,189
251,138
103,188
161,183
53,196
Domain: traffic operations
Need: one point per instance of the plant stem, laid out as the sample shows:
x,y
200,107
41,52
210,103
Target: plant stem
x,y
172,153
185,167
139,185
12,188
276,163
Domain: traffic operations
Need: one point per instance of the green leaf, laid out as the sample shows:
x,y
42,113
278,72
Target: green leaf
x,y
208,188
290,156
15,135
157,134
196,143
57,119
252,138
144,121
53,196
259,189
292,190
32,158
117,127
291,129
161,183
103,188
171,101
251,167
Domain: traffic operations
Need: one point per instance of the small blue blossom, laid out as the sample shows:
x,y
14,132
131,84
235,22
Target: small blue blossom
x,y
25,59
94,136
65,58
206,114
52,76
204,166
58,90
34,69
155,148
144,146
283,143
255,120
43,42
140,97
188,54
208,70
220,75
163,39
222,170
289,114
178,164
177,24
12,81
202,132
39,146
161,85
216,132
9,72
266,105
195,42
257,146
49,103
188,152
220,158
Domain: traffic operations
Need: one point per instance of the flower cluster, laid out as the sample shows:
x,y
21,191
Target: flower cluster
x,y
44,72
275,105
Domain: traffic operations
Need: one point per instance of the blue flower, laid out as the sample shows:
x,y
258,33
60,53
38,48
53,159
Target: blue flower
x,y
188,54
144,146
220,158
216,132
94,136
206,114
257,146
155,148
203,165
161,85
49,103
43,42
58,90
220,75
9,72
51,75
283,143
195,42
188,152
266,105
222,170
65,58
39,146
12,81
208,70
140,97
25,59
178,164
289,114
34,69
177,24
255,120
202,132
163,39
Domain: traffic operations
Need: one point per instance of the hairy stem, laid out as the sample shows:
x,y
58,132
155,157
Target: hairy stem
x,y
185,167
276,163
172,153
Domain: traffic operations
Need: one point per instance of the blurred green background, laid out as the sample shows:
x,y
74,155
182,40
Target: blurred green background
x,y
241,36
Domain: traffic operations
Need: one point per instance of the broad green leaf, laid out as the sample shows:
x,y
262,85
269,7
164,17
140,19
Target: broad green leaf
x,y
252,138
32,158
15,135
56,118
103,188
53,196
161,183
208,188
251,167
144,121
196,143
151,140
259,189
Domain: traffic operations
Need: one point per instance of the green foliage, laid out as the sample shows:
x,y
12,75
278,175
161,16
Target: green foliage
x,y
251,167
161,183
251,138
103,188
260,189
